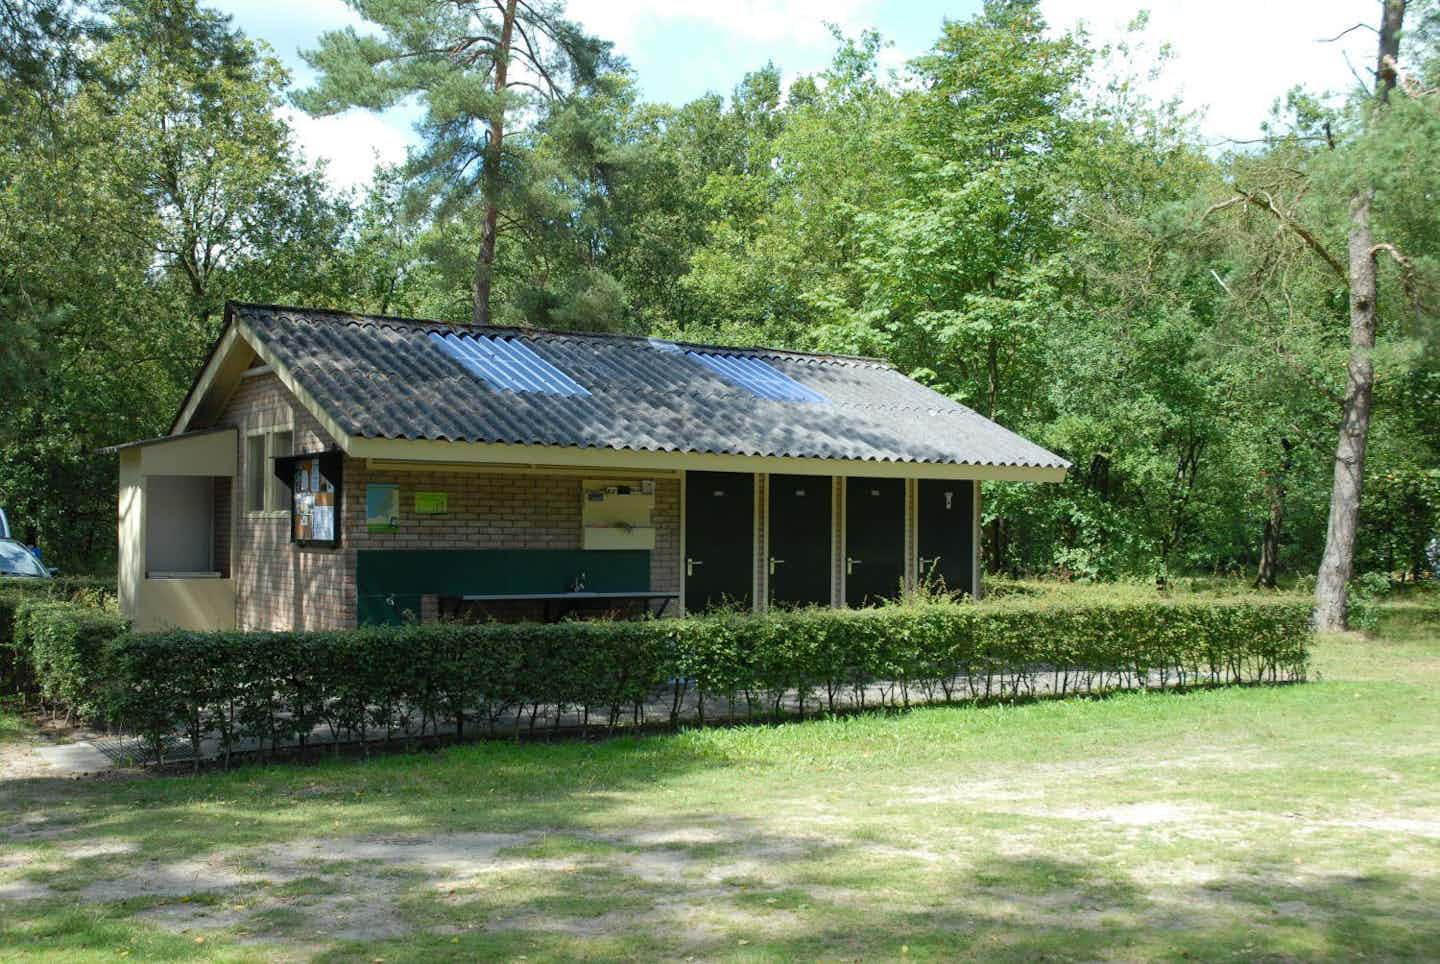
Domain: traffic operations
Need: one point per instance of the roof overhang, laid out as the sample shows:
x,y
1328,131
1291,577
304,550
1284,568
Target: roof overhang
x,y
223,367
238,345
229,362
209,453
440,455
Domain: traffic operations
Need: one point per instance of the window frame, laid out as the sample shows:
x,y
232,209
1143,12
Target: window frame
x,y
278,498
273,504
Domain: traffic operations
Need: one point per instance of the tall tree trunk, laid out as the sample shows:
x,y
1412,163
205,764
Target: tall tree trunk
x,y
1338,563
1275,490
485,263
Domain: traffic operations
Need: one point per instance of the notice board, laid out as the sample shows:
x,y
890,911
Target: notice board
x,y
315,489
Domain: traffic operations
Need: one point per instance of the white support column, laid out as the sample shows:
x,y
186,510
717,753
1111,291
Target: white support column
x,y
837,592
681,601
841,541
912,515
760,552
975,554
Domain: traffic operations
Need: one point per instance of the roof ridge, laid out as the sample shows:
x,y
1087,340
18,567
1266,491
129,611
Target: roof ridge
x,y
398,322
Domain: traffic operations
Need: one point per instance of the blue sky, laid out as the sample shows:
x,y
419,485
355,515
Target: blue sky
x,y
1231,58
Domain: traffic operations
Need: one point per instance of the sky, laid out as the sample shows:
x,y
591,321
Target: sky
x,y
1229,58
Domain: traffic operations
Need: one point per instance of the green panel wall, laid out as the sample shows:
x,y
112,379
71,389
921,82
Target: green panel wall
x,y
407,574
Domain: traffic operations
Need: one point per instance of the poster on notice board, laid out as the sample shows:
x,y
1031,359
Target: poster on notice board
x,y
313,515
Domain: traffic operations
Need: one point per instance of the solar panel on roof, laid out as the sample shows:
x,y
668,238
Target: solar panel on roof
x,y
507,364
757,377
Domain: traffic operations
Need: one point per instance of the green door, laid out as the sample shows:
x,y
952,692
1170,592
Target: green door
x,y
801,528
719,540
946,539
874,540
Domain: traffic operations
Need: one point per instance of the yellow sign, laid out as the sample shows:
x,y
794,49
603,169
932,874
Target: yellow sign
x,y
432,503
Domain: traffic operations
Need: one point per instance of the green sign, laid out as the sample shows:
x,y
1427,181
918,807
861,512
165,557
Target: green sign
x,y
432,503
382,508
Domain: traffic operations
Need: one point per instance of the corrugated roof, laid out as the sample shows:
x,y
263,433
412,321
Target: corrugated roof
x,y
382,377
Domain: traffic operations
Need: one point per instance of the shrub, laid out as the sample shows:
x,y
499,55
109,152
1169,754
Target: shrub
x,y
85,588
14,669
87,615
62,648
271,688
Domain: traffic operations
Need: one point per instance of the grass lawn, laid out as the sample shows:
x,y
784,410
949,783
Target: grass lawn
x,y
1294,822
12,725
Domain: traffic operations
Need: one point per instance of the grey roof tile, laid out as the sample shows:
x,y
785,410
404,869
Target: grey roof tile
x,y
382,377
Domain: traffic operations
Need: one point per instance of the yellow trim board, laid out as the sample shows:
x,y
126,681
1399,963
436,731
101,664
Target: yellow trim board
x,y
559,457
218,359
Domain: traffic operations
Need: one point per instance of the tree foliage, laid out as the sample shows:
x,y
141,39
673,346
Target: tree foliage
x,y
1008,217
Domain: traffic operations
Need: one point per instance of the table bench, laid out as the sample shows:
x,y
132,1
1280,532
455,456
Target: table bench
x,y
558,603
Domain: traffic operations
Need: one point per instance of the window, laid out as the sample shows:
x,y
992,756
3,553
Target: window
x,y
263,491
757,377
507,364
281,443
179,525
255,473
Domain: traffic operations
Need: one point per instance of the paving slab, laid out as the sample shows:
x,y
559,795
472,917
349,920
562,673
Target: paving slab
x,y
75,758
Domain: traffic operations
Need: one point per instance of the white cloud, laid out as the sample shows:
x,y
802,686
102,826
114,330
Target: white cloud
x,y
800,22
351,143
1235,57
1232,57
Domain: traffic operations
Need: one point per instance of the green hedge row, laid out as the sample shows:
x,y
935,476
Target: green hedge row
x,y
58,649
61,587
272,689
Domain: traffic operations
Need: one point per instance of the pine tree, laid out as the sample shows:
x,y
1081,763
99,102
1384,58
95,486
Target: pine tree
x,y
485,71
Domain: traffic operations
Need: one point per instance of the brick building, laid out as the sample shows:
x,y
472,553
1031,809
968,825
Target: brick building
x,y
329,470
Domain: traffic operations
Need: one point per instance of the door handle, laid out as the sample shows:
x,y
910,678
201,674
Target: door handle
x,y
775,562
850,564
690,565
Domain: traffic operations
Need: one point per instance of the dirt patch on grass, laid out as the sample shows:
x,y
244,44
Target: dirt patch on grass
x,y
358,888
655,866
457,855
1416,826
1146,814
99,848
676,836
180,878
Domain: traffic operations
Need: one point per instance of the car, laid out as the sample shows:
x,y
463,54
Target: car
x,y
4,525
16,560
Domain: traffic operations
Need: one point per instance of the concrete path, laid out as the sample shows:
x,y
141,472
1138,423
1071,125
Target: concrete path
x,y
75,759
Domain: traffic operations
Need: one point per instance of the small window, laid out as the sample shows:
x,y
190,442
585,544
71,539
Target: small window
x,y
255,473
281,444
263,491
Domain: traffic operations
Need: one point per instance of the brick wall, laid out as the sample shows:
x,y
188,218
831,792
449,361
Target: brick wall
x,y
665,560
499,511
502,510
281,586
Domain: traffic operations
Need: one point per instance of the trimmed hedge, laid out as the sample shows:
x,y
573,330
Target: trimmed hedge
x,y
271,689
60,587
14,669
58,650
275,688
